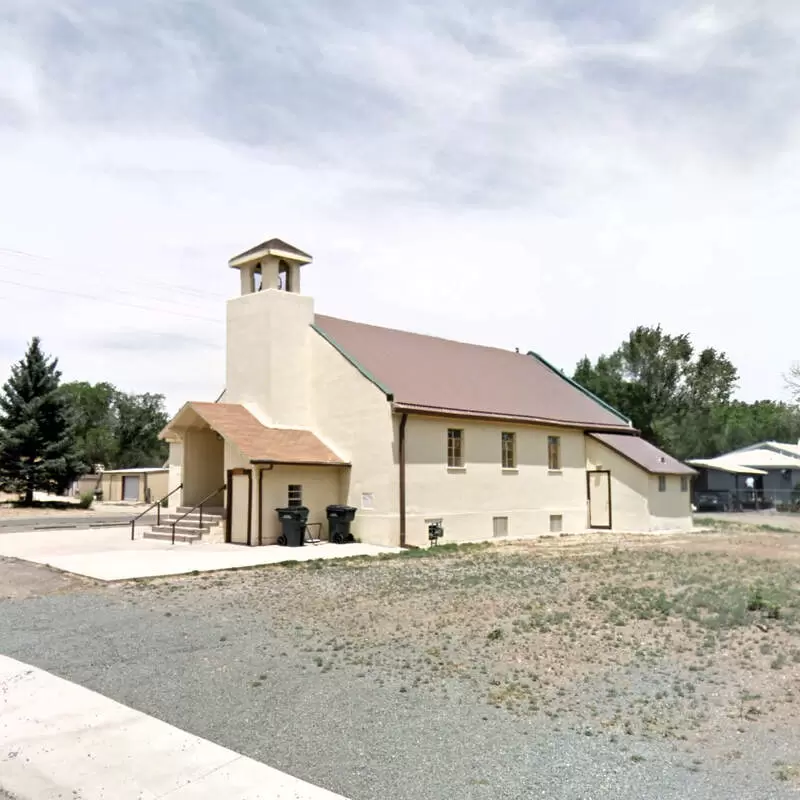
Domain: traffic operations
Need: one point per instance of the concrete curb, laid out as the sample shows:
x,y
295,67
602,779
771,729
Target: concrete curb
x,y
60,740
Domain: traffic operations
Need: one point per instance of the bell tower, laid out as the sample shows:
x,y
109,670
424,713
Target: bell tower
x,y
273,264
268,348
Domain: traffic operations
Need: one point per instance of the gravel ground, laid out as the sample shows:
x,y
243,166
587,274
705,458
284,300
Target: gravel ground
x,y
255,661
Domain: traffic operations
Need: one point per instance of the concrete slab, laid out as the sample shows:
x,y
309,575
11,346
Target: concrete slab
x,y
60,740
108,554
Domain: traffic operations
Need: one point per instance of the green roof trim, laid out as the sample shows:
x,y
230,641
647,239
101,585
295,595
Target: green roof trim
x,y
590,395
365,372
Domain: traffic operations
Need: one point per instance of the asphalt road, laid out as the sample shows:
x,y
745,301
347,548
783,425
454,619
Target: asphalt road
x,y
224,671
54,521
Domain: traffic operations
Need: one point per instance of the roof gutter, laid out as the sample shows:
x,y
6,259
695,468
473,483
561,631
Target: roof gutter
x,y
461,413
276,462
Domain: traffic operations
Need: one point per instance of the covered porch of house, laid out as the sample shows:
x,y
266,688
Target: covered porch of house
x,y
234,462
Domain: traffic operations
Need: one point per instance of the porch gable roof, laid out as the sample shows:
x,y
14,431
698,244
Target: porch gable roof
x,y
257,442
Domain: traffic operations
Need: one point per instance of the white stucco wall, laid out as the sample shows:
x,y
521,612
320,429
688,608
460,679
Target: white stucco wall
x,y
203,468
468,499
268,361
322,486
671,509
629,487
175,465
353,417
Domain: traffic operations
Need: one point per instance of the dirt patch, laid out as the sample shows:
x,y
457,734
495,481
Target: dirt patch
x,y
663,636
23,579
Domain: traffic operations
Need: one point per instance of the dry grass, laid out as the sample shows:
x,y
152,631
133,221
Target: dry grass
x,y
648,635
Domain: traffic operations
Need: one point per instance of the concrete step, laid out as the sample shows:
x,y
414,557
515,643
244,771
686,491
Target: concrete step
x,y
207,518
217,511
192,530
190,522
180,536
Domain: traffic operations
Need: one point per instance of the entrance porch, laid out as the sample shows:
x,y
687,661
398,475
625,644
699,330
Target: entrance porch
x,y
233,460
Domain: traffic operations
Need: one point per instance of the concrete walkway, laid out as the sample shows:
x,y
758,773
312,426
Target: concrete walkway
x,y
59,740
108,554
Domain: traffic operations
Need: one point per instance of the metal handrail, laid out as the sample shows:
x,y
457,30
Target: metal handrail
x,y
200,506
156,505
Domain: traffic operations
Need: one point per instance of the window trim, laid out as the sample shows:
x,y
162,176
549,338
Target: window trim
x,y
508,437
554,464
453,462
298,491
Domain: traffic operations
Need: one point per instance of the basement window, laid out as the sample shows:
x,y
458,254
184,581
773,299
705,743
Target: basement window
x,y
662,483
499,527
295,495
556,523
455,448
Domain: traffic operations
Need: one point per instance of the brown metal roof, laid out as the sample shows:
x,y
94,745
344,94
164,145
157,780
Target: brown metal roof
x,y
273,244
646,455
257,442
432,375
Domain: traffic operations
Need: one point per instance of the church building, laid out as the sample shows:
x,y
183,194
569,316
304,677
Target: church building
x,y
407,428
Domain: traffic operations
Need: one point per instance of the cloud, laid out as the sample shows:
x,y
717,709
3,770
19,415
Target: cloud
x,y
542,175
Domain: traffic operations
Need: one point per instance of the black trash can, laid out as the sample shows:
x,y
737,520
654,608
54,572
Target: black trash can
x,y
339,519
293,525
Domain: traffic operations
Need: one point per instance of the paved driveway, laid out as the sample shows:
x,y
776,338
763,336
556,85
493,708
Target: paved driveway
x,y
108,554
787,521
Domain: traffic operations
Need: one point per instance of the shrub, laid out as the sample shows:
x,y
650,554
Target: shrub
x,y
755,600
87,498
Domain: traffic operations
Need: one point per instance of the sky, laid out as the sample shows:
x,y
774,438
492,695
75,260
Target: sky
x,y
541,175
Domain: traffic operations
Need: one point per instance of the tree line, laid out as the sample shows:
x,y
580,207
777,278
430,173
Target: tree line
x,y
681,398
52,432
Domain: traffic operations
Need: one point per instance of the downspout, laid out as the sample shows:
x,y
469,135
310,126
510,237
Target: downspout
x,y
402,460
260,502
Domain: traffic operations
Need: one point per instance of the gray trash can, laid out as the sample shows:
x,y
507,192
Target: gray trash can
x,y
293,525
339,519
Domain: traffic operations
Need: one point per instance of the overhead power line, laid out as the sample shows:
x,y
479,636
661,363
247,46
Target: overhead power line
x,y
101,299
116,289
150,283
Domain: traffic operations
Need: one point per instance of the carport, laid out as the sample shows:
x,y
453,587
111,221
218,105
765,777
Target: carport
x,y
721,478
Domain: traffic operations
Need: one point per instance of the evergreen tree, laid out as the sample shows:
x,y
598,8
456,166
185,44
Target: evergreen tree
x,y
37,448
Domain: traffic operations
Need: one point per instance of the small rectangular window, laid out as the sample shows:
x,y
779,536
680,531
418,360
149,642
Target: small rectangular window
x,y
499,527
554,453
556,523
295,495
509,450
455,447
662,483
684,483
